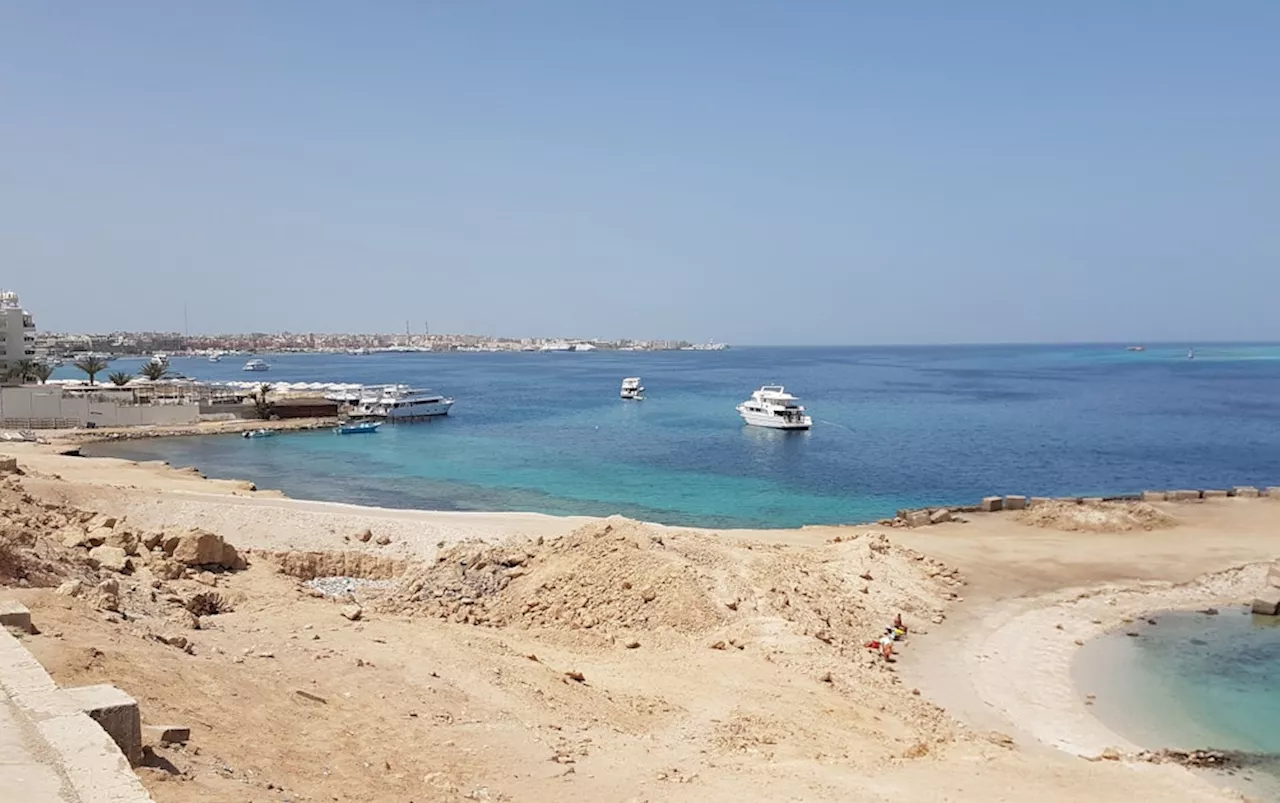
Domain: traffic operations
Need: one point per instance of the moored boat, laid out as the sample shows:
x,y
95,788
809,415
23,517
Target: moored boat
x,y
401,403
771,406
357,427
260,433
632,389
256,365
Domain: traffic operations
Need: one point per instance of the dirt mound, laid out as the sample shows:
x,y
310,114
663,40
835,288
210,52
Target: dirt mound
x,y
313,565
28,553
624,575
1105,517
618,572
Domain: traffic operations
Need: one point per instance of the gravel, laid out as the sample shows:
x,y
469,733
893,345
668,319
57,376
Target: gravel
x,y
350,586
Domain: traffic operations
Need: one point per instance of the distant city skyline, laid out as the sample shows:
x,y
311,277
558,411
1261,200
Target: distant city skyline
x,y
831,173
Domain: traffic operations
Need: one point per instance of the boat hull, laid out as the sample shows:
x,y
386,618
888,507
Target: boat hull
x,y
417,412
774,422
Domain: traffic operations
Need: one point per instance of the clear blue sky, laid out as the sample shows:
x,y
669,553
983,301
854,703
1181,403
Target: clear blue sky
x,y
817,172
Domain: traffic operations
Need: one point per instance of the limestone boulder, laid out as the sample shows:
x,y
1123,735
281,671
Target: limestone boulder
x,y
200,548
97,536
1267,603
165,569
111,558
123,539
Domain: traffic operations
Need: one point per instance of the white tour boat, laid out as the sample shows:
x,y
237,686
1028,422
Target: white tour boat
x,y
771,406
402,403
632,389
256,365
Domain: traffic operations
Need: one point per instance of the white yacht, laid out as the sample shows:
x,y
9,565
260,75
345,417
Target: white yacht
x,y
402,403
632,389
771,406
256,365
159,359
215,356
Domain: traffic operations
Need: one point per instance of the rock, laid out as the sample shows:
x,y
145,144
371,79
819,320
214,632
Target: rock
x,y
123,539
649,594
97,537
1002,739
207,578
365,535
1267,603
71,588
111,558
991,504
937,620
632,645
198,548
306,695
1246,492
383,540
1015,503
167,734
1214,494
574,675
1110,754
719,645
75,538
152,540
185,619
352,612
165,569
940,516
1273,577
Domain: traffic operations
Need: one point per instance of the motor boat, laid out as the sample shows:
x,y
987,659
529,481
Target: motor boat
x,y
256,365
357,427
402,403
632,389
260,433
771,406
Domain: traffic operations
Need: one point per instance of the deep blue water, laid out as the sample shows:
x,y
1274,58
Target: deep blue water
x,y
894,427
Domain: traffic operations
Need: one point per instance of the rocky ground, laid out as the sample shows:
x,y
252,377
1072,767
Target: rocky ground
x,y
620,662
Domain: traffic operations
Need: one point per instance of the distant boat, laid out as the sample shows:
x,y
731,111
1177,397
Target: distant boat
x,y
215,356
1191,354
256,365
402,403
357,427
260,433
1136,348
632,389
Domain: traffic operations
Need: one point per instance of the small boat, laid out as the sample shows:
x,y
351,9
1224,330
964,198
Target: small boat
x,y
357,427
1191,354
256,365
632,389
215,357
771,406
260,433
1136,348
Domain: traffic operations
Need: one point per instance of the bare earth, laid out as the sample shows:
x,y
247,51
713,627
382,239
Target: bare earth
x,y
530,658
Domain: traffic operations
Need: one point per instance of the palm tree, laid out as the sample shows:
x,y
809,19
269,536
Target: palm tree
x,y
261,404
22,371
92,365
120,378
155,371
42,371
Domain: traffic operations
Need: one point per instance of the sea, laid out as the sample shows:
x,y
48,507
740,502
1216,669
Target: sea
x,y
1191,681
894,427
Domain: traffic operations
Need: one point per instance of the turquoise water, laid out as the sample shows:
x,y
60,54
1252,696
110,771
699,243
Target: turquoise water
x,y
894,427
1192,681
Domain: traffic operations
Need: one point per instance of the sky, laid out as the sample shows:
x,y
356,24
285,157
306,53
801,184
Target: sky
x,y
753,172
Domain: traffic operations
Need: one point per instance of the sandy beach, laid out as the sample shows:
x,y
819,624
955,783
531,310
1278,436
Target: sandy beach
x,y
529,657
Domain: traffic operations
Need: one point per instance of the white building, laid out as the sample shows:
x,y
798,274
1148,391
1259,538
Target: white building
x,y
17,331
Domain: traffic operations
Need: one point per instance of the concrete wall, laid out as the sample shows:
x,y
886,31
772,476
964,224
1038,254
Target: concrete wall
x,y
47,407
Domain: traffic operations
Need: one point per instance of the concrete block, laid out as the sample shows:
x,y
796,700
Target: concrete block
x,y
1214,494
15,615
1184,496
940,516
1154,496
8,465
1267,603
1246,492
167,734
990,504
1015,503
918,518
116,712
1273,491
